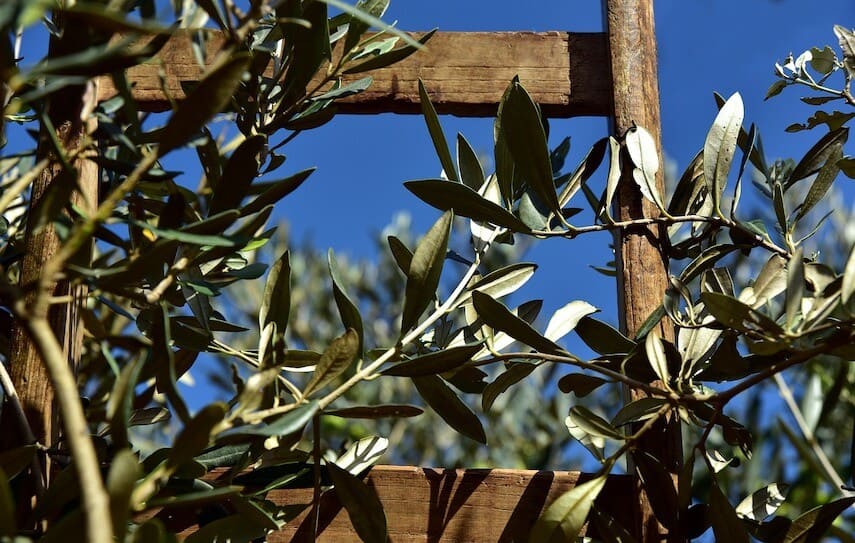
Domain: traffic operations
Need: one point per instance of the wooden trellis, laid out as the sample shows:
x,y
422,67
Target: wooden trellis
x,y
601,74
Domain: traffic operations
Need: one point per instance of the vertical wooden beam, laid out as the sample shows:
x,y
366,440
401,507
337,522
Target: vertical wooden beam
x,y
642,268
79,187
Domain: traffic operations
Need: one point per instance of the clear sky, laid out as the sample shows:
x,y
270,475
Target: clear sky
x,y
704,46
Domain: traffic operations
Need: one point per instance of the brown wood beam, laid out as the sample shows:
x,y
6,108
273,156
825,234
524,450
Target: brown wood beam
x,y
642,267
465,73
440,506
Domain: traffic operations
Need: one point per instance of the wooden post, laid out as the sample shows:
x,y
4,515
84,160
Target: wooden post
x,y
28,373
642,268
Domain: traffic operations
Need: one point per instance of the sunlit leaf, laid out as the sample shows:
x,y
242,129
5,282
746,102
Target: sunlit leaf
x,y
433,363
121,481
642,150
725,522
720,147
464,201
347,309
497,316
500,282
565,319
335,360
564,518
819,155
388,58
812,525
436,134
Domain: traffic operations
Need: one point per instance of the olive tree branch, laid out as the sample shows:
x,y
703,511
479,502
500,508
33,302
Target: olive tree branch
x,y
96,502
13,402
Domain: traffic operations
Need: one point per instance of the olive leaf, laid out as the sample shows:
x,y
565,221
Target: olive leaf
x,y
424,271
334,361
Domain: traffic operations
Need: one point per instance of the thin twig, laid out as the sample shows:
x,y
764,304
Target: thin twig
x,y
810,438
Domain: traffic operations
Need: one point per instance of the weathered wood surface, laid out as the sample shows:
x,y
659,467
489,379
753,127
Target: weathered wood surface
x,y
445,506
464,72
641,264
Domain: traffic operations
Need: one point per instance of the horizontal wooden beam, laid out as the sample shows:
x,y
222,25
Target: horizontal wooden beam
x,y
465,73
441,506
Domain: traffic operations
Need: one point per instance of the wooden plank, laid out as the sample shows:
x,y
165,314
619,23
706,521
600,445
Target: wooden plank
x,y
442,506
466,74
641,264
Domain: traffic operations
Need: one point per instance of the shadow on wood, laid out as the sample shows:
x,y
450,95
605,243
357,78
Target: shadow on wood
x,y
440,506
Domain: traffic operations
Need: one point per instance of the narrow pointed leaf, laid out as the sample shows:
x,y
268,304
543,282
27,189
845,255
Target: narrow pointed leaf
x,y
593,424
277,190
818,155
720,146
563,519
401,253
208,98
464,201
497,316
436,134
434,363
614,173
196,435
580,384
725,522
449,407
638,410
284,425
121,481
602,338
795,287
471,173
238,174
425,269
848,286
388,58
735,314
361,503
655,351
376,411
347,309
276,301
824,179
334,361
526,141
514,374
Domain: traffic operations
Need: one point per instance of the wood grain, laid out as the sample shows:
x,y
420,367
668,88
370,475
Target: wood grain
x,y
642,267
441,506
465,74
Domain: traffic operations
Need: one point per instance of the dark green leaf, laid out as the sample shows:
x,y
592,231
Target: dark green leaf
x,y
819,155
609,530
278,190
276,300
563,519
121,401
401,253
362,505
638,410
223,456
311,46
425,269
240,170
434,363
515,373
725,523
291,422
811,526
526,141
14,461
795,287
471,173
464,201
8,523
659,486
580,384
229,528
196,435
347,309
208,98
376,412
497,316
354,87
449,407
436,135
602,338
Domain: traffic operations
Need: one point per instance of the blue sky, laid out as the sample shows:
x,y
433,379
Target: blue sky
x,y
704,46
